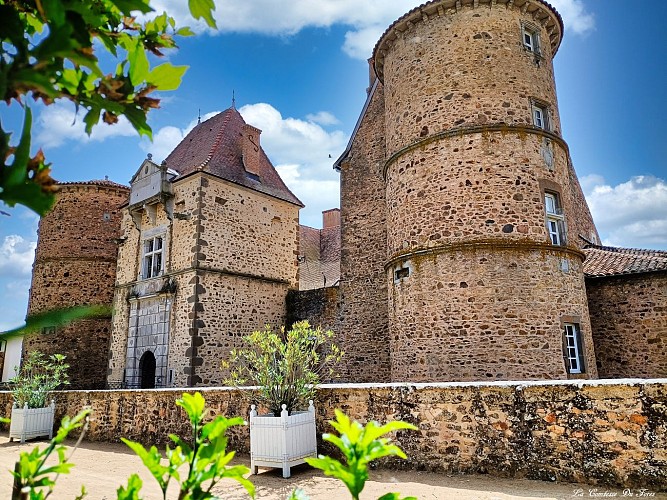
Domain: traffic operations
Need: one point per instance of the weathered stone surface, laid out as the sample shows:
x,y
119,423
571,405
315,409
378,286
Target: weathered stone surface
x,y
75,264
230,258
475,288
629,321
604,433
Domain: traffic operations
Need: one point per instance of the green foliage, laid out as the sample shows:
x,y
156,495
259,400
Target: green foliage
x,y
206,459
33,479
359,445
286,367
47,52
38,376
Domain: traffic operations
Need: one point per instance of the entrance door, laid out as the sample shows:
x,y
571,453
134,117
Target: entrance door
x,y
147,370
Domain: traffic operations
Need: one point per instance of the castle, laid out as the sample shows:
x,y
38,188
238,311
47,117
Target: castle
x,y
463,249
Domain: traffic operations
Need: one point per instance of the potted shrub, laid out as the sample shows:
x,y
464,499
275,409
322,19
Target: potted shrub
x,y
286,368
39,375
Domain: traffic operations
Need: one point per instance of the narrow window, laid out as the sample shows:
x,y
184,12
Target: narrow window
x,y
401,273
541,116
573,349
531,39
153,257
555,219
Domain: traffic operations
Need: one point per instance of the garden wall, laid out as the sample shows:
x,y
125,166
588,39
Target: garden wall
x,y
603,432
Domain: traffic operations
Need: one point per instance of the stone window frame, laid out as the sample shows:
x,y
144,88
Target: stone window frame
x,y
575,322
538,106
550,188
402,271
152,234
530,38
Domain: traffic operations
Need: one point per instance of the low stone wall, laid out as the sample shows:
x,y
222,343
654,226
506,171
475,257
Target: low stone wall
x,y
603,432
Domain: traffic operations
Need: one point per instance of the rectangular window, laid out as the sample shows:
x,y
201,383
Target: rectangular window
x,y
555,219
541,117
573,349
531,39
153,257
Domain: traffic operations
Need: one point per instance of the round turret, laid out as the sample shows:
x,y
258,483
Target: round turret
x,y
483,208
75,264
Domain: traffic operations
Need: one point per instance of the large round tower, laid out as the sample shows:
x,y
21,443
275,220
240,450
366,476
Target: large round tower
x,y
75,264
484,211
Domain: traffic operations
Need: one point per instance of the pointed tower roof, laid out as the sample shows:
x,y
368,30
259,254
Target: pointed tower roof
x,y
216,146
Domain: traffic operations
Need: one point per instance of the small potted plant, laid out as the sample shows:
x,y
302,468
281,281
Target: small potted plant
x,y
39,375
286,368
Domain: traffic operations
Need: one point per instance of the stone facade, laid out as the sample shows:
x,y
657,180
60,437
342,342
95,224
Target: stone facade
x,y
629,320
78,269
205,260
602,433
364,319
457,150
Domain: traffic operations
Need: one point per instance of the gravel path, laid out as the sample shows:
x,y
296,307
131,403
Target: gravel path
x,y
102,467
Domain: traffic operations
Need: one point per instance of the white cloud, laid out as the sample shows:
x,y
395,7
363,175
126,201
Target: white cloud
x,y
323,118
16,256
303,153
575,16
630,214
367,20
59,123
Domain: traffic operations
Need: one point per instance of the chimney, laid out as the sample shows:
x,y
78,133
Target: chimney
x,y
251,149
331,218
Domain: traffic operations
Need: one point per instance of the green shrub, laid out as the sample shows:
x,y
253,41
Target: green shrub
x,y
287,367
37,377
360,445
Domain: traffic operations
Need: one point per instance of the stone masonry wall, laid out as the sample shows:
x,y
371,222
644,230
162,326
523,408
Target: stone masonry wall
x,y
605,433
321,307
249,233
231,256
465,322
629,321
363,291
477,289
468,68
75,264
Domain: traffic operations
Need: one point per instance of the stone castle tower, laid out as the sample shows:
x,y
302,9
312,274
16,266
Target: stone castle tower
x,y
463,221
75,264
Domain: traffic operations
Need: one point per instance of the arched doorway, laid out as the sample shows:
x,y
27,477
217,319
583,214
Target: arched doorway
x,y
147,370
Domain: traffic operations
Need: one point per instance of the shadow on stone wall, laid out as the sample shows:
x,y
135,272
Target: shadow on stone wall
x,y
605,432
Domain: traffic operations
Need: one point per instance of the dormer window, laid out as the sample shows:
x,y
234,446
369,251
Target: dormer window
x,y
153,257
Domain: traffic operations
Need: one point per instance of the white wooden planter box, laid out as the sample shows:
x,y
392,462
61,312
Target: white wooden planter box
x,y
283,441
28,423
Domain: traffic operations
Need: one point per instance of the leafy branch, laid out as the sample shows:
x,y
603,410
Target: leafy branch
x,y
48,52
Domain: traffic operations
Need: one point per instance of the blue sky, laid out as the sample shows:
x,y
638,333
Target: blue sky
x,y
298,70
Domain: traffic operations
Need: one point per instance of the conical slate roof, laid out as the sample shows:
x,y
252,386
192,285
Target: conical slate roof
x,y
216,146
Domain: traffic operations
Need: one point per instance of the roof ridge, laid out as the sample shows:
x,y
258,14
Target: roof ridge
x,y
217,140
624,250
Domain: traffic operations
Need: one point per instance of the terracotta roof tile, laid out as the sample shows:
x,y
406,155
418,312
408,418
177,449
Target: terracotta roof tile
x,y
612,261
97,182
319,257
215,146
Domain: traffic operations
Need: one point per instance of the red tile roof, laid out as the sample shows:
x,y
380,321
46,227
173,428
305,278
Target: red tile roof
x,y
97,182
319,257
216,146
612,261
